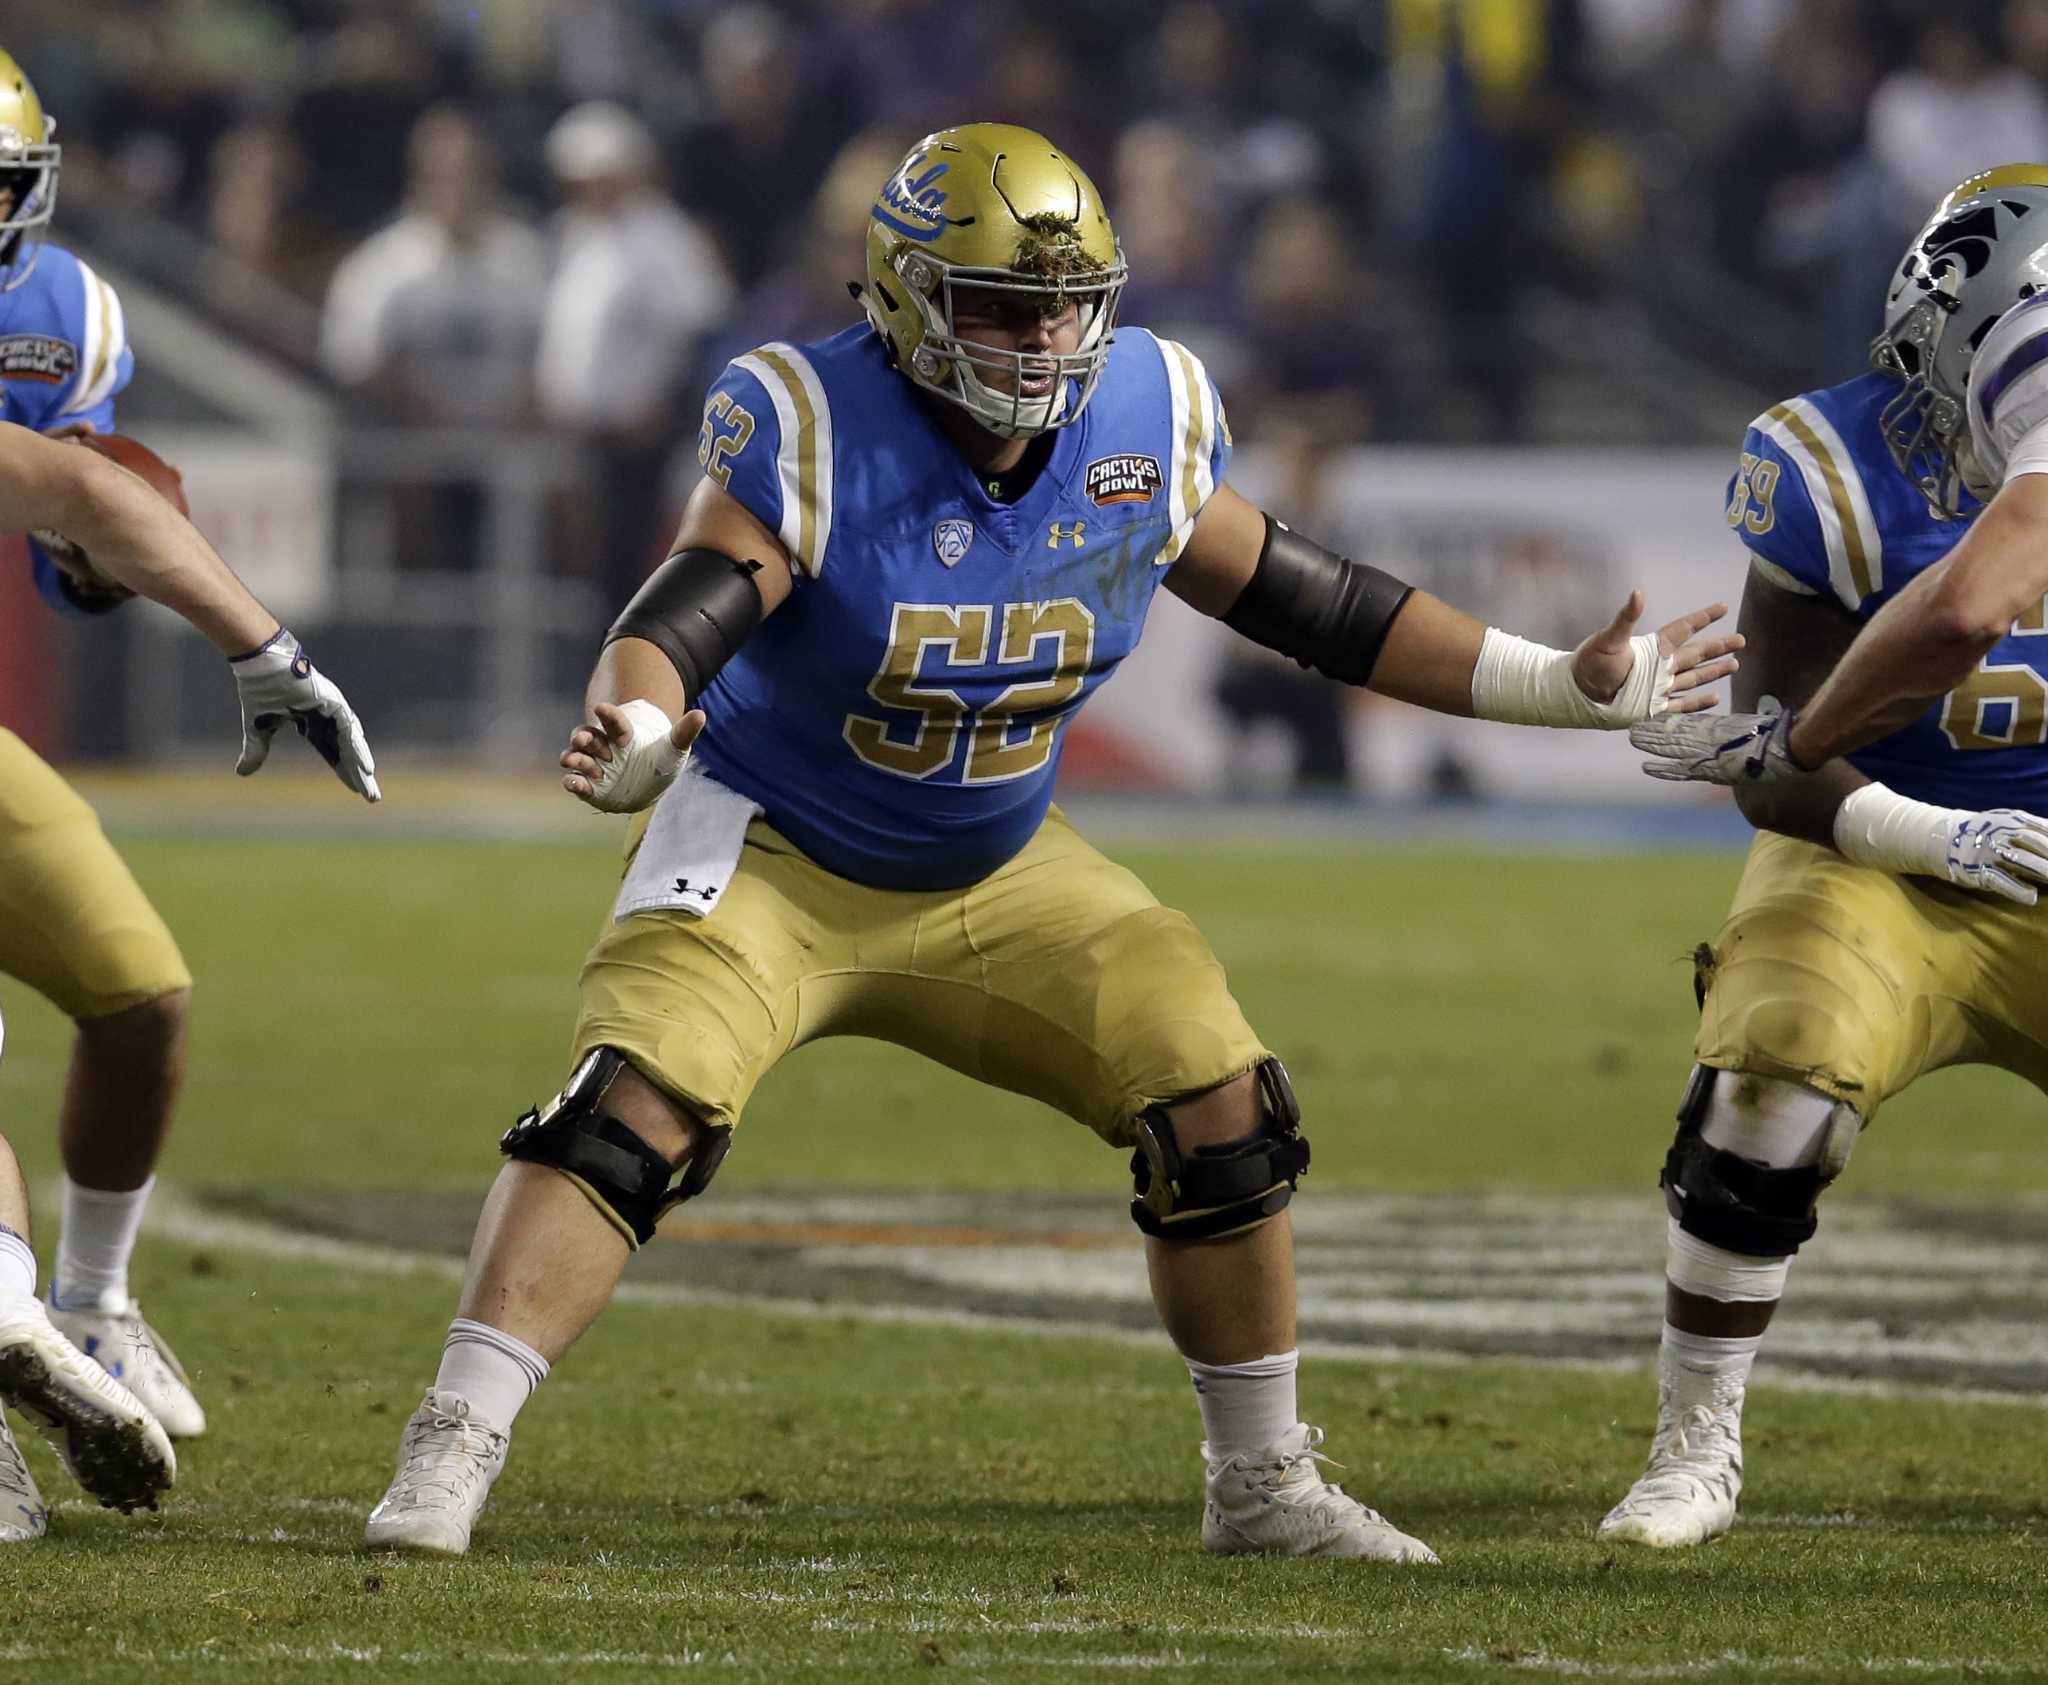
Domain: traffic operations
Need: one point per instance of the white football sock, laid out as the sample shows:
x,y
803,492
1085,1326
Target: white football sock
x,y
95,1244
1246,1406
1703,1369
17,1266
494,1371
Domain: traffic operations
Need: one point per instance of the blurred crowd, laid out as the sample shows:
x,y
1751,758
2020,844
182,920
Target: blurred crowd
x,y
1374,219
1346,205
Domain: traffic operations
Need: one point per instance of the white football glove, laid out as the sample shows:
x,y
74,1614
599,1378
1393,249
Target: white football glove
x,y
277,682
1719,748
2001,851
641,766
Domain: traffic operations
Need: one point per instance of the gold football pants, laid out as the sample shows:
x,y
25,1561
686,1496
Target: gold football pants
x,y
1855,982
1057,976
74,924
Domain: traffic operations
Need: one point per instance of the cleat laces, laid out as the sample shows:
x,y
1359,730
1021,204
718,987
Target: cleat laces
x,y
448,1454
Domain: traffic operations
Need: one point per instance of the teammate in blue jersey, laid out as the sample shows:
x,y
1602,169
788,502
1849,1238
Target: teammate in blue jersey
x,y
74,924
117,532
918,547
1887,922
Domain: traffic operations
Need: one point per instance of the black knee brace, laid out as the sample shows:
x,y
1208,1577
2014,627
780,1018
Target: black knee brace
x,y
1736,1203
1223,1189
625,1178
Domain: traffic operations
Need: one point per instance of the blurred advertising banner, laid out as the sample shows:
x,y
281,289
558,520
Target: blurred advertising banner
x,y
1544,543
266,504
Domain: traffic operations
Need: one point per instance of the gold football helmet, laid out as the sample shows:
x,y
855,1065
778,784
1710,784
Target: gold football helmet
x,y
999,209
28,167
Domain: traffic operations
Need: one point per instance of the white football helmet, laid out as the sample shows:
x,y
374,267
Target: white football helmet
x,y
1984,249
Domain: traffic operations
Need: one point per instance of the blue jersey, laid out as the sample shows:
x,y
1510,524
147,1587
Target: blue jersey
x,y
63,356
1823,509
900,716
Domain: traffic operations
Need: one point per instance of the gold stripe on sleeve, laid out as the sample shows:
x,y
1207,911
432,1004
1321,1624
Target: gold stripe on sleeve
x,y
806,458
1838,494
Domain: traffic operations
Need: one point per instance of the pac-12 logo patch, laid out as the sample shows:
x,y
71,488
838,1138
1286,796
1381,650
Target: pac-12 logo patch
x,y
35,356
952,539
1123,479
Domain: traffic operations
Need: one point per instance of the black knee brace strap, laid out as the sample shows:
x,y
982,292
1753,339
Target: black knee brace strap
x,y
1222,1189
1730,1201
626,1179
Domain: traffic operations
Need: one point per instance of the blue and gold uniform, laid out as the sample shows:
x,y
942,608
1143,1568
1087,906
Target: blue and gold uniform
x,y
74,924
64,358
900,718
1843,977
898,721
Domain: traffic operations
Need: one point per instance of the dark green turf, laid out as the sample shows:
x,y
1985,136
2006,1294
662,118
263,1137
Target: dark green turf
x,y
774,1498
1453,1022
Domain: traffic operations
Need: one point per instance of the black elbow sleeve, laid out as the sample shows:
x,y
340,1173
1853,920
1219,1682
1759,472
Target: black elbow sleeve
x,y
697,609
1316,607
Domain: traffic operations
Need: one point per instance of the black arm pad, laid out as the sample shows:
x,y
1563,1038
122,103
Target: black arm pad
x,y
697,608
1323,611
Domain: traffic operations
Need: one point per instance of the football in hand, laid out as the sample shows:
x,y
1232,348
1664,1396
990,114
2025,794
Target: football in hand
x,y
89,586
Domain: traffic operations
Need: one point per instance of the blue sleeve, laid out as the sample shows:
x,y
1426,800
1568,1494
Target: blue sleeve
x,y
1219,458
1772,512
740,445
54,586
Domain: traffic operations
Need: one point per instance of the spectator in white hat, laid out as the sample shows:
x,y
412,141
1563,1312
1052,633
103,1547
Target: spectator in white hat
x,y
637,284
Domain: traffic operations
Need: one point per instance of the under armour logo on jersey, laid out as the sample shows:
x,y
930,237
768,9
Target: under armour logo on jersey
x,y
704,894
952,540
1069,534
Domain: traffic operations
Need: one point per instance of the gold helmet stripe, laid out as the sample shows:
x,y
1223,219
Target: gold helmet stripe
x,y
804,460
1990,181
1855,551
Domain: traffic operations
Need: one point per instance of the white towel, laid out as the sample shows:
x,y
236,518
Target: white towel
x,y
691,849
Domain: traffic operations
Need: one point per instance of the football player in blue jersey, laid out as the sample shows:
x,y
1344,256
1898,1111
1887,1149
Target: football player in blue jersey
x,y
918,547
117,533
1888,919
74,924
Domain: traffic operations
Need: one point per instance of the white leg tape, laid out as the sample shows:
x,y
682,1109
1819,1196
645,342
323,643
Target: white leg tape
x,y
1707,1272
1774,1122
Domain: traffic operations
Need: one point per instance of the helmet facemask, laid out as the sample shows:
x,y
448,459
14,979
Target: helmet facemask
x,y
1926,429
29,168
1049,273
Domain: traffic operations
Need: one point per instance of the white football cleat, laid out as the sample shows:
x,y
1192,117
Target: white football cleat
x,y
108,1439
447,1459
23,1514
1688,1493
113,1334
1277,1503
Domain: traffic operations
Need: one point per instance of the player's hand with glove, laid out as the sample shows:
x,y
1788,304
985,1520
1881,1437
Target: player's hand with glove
x,y
1720,748
630,755
2001,851
276,682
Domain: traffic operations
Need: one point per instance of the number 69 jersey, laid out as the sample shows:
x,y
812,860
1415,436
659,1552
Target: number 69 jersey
x,y
900,716
1824,511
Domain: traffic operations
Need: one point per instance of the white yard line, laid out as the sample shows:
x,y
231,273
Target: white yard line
x,y
176,1217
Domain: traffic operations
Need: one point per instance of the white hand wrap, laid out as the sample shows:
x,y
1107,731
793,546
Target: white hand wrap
x,y
1525,683
641,767
1876,826
2000,852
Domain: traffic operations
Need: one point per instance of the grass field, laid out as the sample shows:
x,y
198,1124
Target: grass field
x,y
785,1492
